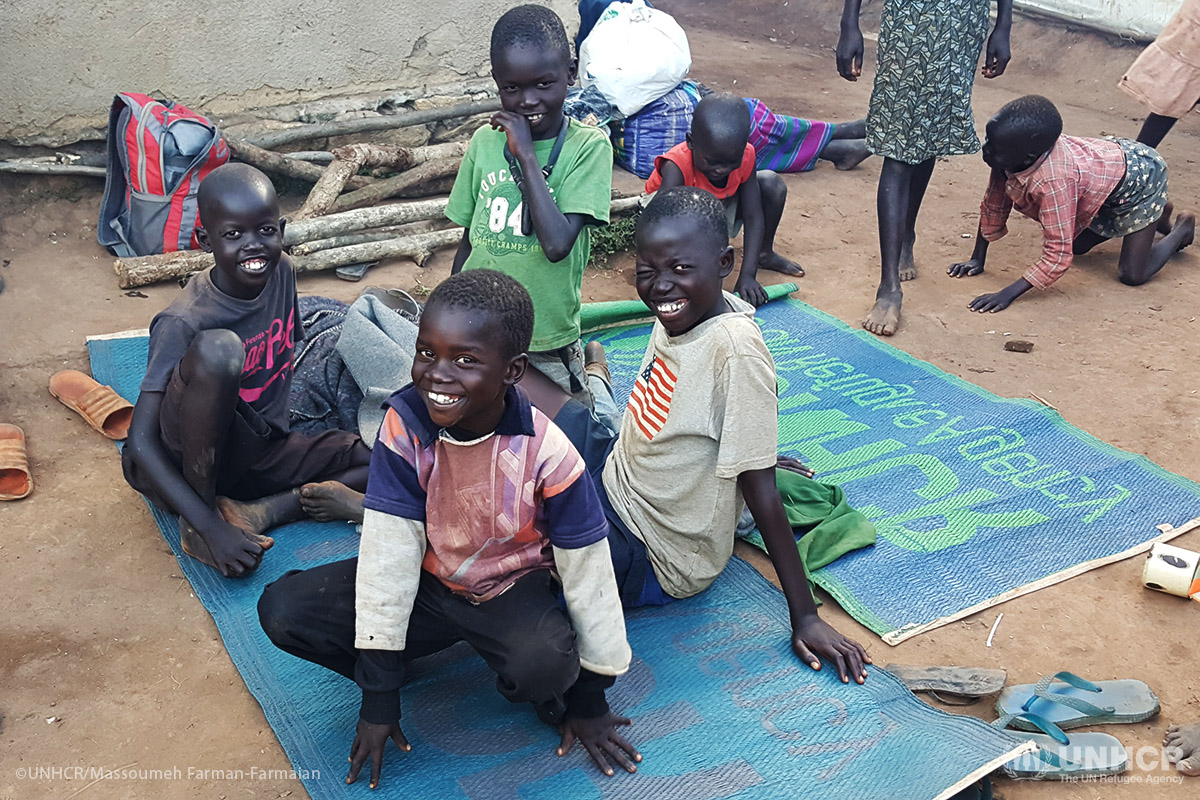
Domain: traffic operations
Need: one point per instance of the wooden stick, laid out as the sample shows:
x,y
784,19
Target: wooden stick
x,y
312,156
350,159
390,232
347,161
363,219
281,165
415,246
52,169
389,187
380,123
134,272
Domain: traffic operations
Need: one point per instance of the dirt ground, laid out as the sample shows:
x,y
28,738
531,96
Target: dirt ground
x,y
106,658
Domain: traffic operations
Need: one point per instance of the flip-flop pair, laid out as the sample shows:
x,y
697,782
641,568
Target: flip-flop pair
x,y
1075,702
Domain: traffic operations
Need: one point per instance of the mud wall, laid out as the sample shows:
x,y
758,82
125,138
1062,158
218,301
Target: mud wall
x,y
62,60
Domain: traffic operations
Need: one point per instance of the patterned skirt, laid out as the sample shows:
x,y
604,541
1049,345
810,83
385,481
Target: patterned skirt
x,y
1140,197
928,53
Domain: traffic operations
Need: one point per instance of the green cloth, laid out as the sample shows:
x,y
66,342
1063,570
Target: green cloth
x,y
825,525
487,202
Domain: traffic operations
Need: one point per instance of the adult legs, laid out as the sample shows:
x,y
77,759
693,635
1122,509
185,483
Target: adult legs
x,y
916,194
1142,257
900,186
1155,128
845,153
855,129
847,146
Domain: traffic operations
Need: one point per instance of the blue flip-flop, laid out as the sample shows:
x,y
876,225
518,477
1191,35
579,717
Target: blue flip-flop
x,y
1077,701
1061,757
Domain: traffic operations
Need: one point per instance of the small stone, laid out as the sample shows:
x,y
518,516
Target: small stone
x,y
1019,346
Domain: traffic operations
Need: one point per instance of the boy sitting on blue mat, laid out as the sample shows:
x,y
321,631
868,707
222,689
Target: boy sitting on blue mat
x,y
478,513
699,434
211,422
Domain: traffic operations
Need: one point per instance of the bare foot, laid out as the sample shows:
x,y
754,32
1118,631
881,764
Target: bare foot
x,y
908,266
330,500
1164,222
1183,748
854,153
1185,223
777,263
884,318
251,517
229,550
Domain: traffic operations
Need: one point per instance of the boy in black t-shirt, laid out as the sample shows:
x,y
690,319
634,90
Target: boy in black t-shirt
x,y
211,424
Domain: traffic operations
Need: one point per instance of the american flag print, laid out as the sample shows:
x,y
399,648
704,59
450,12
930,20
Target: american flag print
x,y
650,400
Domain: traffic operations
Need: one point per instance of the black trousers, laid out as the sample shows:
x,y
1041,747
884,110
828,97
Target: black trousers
x,y
524,634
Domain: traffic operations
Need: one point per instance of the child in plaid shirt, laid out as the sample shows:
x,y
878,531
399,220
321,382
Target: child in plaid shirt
x,y
1082,192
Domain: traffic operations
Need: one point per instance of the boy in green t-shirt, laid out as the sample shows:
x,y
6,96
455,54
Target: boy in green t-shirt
x,y
519,219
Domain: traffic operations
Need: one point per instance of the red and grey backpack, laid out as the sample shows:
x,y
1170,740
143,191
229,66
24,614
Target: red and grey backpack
x,y
158,152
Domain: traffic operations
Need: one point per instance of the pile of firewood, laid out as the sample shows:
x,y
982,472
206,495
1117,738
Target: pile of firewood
x,y
341,223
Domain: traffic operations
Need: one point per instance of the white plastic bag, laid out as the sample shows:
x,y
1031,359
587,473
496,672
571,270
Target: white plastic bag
x,y
634,55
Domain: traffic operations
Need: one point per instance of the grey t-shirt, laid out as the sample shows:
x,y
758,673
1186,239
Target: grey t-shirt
x,y
269,327
703,411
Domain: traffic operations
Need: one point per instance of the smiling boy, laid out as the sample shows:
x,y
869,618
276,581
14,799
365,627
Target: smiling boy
x,y
478,510
211,421
699,434
718,158
531,185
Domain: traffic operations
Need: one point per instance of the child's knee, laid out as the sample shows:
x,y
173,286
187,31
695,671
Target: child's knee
x,y
538,671
1131,279
277,610
774,190
214,355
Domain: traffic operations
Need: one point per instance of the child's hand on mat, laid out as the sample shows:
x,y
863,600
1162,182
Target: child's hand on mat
x,y
965,269
369,741
792,465
751,291
850,53
599,737
516,129
814,635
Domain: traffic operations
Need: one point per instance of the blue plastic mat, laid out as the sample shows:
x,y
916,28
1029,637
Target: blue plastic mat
x,y
721,707
976,498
